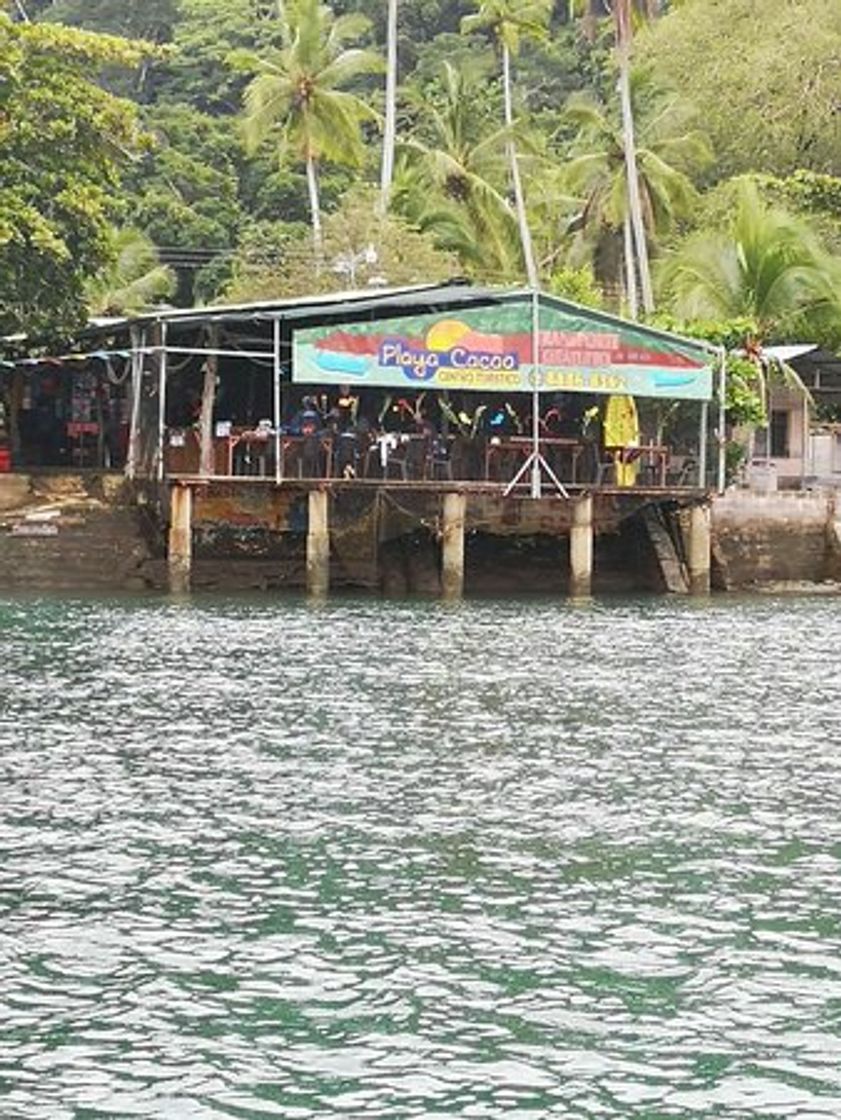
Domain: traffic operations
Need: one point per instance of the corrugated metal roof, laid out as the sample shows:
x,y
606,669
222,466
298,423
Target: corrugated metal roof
x,y
282,308
383,302
788,353
820,371
395,301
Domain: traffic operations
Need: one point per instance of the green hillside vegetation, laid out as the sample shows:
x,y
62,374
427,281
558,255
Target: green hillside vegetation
x,y
207,150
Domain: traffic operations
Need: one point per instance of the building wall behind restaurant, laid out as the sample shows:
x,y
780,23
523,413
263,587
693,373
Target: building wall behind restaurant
x,y
825,453
788,470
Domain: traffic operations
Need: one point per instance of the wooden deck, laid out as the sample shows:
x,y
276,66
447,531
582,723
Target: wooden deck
x,y
425,486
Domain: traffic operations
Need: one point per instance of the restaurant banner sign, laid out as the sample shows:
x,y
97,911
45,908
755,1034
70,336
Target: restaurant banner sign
x,y
489,349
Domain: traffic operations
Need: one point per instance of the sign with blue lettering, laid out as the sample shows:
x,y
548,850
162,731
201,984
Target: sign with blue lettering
x,y
490,349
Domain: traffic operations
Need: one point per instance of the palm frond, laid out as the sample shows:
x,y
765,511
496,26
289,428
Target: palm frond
x,y
269,100
348,28
348,65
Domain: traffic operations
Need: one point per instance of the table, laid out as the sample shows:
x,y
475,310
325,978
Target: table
x,y
654,456
551,447
183,450
256,442
76,432
310,451
386,454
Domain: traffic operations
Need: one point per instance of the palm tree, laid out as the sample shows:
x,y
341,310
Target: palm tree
x,y
767,267
597,172
635,240
511,21
135,280
390,127
447,176
593,10
590,12
626,13
297,91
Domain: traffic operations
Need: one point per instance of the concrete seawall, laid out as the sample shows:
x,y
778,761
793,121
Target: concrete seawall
x,y
75,532
788,537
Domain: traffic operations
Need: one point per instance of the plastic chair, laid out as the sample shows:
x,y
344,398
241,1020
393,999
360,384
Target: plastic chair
x,y
439,465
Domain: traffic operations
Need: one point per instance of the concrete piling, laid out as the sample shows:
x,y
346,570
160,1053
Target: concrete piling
x,y
180,546
452,546
581,548
700,550
318,544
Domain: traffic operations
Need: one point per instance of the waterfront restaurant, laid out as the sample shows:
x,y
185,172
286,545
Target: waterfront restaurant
x,y
500,388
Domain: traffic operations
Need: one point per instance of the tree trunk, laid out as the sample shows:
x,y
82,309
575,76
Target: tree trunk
x,y
15,398
142,76
516,182
315,208
207,464
390,128
631,293
623,36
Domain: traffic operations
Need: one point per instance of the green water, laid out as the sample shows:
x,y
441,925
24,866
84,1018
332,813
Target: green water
x,y
263,859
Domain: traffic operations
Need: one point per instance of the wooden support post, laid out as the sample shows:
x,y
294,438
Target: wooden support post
x,y
15,401
700,549
207,465
180,551
133,451
581,548
452,546
318,544
160,452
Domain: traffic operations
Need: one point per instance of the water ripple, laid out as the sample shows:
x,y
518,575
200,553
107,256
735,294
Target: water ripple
x,y
403,860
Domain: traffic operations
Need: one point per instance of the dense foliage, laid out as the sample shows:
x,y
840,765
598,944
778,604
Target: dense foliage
x,y
60,142
265,119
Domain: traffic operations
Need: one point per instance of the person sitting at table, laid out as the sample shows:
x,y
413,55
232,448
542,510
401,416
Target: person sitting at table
x,y
559,421
342,422
309,424
307,421
551,422
345,409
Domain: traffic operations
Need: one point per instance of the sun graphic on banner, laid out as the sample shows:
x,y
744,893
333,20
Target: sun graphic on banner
x,y
445,334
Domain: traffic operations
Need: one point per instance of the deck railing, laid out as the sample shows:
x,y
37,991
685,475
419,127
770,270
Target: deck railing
x,y
423,457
